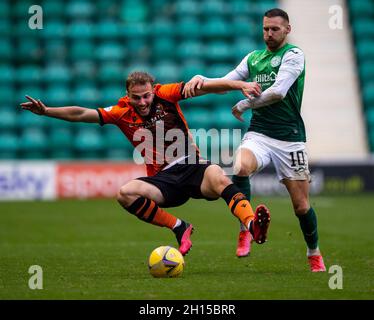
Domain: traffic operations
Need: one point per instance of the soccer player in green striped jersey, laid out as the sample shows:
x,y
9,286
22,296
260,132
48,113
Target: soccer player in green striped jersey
x,y
276,133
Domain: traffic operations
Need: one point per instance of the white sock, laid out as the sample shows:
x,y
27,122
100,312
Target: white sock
x,y
313,252
242,227
178,223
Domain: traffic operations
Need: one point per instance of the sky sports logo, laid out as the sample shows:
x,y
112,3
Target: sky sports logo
x,y
24,181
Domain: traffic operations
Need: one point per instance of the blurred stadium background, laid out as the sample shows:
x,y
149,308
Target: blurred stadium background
x,y
82,57
86,49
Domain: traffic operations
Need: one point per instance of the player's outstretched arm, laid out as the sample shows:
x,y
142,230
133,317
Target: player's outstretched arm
x,y
221,85
71,113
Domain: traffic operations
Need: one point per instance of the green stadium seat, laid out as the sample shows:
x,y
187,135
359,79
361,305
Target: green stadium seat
x,y
216,28
54,29
111,72
187,8
86,95
163,48
89,143
9,146
8,118
188,28
27,119
218,51
30,90
29,74
365,49
58,123
6,49
240,8
55,50
80,9
190,49
116,141
366,71
135,30
361,9
4,9
60,138
370,117
5,27
82,50
83,71
111,94
138,49
241,47
166,71
198,117
61,154
243,27
57,73
368,93
33,143
80,30
7,74
162,28
218,70
54,9
134,11
211,8
138,66
110,51
29,50
8,96
223,118
363,29
191,68
107,29
57,95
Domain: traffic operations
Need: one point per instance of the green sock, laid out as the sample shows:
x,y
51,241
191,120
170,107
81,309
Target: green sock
x,y
245,187
308,224
243,184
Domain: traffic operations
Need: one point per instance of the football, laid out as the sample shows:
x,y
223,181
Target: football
x,y
165,262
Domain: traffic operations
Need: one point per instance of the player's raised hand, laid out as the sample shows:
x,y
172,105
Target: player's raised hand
x,y
189,88
251,89
33,105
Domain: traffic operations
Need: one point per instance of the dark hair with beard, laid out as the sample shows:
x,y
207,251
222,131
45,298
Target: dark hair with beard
x,y
276,12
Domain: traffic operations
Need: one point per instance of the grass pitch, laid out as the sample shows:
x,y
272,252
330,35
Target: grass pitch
x,y
95,250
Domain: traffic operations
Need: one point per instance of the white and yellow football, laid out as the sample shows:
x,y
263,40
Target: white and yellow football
x,y
165,262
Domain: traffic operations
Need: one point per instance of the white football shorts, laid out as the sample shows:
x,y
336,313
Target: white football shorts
x,y
289,158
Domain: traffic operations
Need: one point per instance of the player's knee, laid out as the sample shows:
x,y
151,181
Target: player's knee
x,y
301,208
124,196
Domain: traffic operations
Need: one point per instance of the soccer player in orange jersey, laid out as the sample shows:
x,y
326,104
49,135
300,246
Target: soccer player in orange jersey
x,y
172,177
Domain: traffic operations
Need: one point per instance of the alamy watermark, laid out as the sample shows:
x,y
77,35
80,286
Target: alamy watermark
x,y
36,20
36,280
336,280
336,19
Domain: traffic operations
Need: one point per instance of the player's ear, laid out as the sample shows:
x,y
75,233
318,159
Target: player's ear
x,y
288,28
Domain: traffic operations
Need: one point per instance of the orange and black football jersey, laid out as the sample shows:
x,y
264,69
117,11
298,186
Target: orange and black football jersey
x,y
159,144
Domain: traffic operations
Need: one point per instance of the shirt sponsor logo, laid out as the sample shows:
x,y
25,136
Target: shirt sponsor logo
x,y
264,78
108,108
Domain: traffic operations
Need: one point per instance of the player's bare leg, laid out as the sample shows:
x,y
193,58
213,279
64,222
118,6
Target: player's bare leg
x,y
216,184
299,193
143,199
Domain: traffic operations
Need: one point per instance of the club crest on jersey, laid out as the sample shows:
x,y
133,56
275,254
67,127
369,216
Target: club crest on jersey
x,y
275,62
